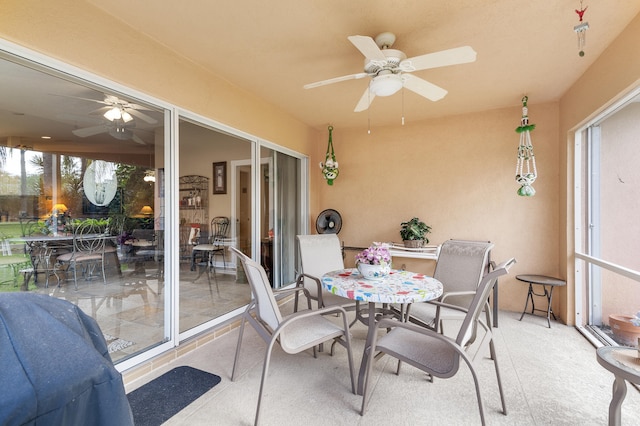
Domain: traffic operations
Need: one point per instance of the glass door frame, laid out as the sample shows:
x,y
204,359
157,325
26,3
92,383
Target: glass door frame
x,y
585,263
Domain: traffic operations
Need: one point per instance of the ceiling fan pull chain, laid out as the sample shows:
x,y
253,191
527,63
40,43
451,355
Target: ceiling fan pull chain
x,y
526,172
330,166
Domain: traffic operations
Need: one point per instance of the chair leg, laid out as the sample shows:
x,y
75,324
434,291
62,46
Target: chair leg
x,y
239,344
265,371
492,351
75,277
365,387
477,384
215,276
104,275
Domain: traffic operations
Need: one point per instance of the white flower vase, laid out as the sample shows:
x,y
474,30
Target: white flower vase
x,y
374,272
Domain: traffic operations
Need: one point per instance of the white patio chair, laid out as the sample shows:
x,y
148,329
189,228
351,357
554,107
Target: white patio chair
x,y
320,254
294,333
460,267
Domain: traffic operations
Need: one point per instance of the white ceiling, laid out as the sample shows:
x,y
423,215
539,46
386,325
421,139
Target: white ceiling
x,y
273,48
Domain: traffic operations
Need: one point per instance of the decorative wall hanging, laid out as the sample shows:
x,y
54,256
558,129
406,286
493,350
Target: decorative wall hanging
x,y
526,172
100,182
330,166
581,29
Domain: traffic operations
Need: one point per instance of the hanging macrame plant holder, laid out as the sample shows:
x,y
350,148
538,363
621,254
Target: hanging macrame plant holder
x,y
526,172
330,166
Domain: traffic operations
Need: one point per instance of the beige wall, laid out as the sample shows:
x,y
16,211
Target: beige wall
x,y
457,173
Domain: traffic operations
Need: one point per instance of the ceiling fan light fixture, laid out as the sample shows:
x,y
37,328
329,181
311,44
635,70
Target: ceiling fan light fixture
x,y
386,84
126,117
117,113
113,114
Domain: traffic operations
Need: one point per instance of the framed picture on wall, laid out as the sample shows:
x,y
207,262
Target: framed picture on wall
x,y
220,178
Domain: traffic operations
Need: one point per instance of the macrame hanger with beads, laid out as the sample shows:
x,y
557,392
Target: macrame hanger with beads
x,y
526,172
330,166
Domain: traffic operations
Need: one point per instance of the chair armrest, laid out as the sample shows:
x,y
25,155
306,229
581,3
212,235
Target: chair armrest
x,y
286,291
300,281
456,293
448,306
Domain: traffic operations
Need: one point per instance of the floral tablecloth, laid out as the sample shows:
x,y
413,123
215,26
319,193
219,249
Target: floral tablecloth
x,y
398,287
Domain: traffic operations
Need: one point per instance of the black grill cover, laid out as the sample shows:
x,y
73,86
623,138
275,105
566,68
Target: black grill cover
x,y
55,367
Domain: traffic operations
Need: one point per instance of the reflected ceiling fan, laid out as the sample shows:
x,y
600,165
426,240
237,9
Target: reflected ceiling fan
x,y
115,108
390,69
116,128
120,119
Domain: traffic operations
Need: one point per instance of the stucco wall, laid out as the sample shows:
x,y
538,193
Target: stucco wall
x,y
458,175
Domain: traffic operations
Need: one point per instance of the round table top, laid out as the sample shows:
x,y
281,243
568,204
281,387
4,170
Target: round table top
x,y
397,287
540,279
621,361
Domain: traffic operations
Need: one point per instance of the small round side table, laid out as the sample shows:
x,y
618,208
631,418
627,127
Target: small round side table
x,y
625,365
545,282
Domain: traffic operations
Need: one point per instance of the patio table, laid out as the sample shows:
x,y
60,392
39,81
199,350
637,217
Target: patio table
x,y
402,287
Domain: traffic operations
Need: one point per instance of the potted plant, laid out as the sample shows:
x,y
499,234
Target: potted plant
x,y
374,262
414,233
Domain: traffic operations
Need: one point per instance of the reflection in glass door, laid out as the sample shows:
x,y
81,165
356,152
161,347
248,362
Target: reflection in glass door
x,y
209,284
280,213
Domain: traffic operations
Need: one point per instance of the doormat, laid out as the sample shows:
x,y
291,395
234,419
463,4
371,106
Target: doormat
x,y
162,398
116,344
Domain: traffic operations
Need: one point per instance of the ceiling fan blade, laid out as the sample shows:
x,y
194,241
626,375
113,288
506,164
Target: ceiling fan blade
x,y
81,98
90,131
423,87
335,80
141,116
365,100
101,110
137,140
368,47
458,55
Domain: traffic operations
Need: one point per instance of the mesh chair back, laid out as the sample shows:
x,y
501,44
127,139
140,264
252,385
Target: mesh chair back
x,y
469,326
266,305
461,265
319,254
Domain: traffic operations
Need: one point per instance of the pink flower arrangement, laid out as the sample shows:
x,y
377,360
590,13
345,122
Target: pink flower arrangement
x,y
377,254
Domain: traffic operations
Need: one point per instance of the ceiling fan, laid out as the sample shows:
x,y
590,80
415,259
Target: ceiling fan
x,y
115,108
117,128
120,119
390,69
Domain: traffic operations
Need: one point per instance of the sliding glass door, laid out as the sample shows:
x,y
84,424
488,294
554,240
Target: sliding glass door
x,y
170,203
608,246
74,154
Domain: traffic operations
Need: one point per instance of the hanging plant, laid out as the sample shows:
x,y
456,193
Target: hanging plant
x,y
330,166
526,172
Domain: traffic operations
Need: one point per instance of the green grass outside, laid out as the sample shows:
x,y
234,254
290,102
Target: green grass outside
x,y
7,273
10,230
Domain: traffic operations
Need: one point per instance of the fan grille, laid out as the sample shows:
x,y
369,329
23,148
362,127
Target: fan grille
x,y
329,222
